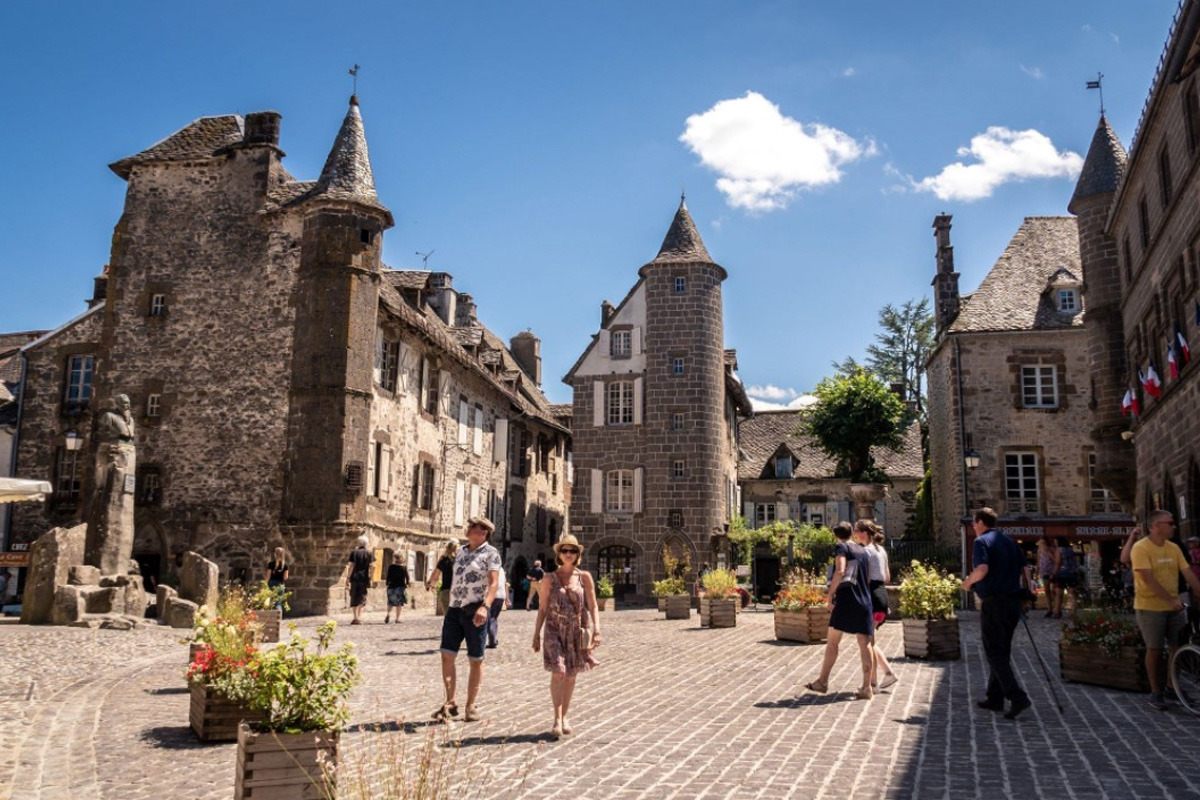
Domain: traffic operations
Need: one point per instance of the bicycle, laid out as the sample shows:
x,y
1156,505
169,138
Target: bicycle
x,y
1185,676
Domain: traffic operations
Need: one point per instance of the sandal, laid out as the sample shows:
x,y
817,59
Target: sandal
x,y
446,711
863,694
472,715
817,686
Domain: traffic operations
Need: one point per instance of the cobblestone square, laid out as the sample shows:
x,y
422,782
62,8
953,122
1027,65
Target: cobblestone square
x,y
674,711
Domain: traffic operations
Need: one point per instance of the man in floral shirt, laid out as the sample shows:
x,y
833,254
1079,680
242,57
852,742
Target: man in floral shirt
x,y
476,580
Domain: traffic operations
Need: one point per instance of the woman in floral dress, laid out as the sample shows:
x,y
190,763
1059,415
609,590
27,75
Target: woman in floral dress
x,y
566,603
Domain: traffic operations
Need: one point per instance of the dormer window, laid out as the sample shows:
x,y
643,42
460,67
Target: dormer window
x,y
783,467
1068,301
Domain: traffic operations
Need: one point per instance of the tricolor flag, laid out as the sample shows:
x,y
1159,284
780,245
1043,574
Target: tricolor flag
x,y
1151,382
1129,403
1172,362
1185,352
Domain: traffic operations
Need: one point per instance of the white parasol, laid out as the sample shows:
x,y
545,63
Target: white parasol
x,y
13,490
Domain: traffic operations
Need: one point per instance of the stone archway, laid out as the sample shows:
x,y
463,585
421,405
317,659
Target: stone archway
x,y
151,548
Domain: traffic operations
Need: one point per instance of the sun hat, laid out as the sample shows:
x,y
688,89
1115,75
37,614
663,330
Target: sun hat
x,y
567,540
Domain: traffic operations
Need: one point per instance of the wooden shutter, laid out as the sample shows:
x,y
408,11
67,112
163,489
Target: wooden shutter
x,y
598,401
444,392
500,440
605,343
477,444
474,499
371,467
748,514
635,341
637,401
464,419
460,491
597,491
384,468
379,355
639,475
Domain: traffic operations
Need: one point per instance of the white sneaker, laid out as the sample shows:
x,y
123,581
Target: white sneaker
x,y
888,681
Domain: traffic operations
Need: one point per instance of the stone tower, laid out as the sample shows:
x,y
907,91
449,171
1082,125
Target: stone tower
x,y
945,281
1102,171
655,414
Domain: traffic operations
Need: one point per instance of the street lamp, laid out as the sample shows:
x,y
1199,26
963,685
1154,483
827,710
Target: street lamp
x,y
971,459
73,441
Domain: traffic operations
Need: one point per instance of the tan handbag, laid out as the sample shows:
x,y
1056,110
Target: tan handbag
x,y
586,635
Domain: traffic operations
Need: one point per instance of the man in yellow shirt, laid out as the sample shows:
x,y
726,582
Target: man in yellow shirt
x,y
1157,566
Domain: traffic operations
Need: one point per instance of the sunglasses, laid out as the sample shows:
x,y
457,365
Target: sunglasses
x,y
568,551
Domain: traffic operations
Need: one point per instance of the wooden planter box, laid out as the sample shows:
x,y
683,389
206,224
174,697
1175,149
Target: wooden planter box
x,y
808,625
270,621
662,604
1089,663
934,639
679,606
213,717
718,612
283,766
603,603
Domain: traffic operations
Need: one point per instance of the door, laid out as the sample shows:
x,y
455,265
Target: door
x,y
618,562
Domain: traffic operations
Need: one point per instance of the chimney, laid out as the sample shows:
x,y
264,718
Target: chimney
x,y
99,288
442,297
606,313
262,127
945,282
464,316
527,350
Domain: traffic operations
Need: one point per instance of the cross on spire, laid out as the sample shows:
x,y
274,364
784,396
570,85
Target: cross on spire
x,y
1098,84
354,74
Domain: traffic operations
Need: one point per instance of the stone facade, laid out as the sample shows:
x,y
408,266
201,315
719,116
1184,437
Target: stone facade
x,y
1140,233
656,407
275,367
1009,383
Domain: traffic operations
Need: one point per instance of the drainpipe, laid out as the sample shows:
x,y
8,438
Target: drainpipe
x,y
962,439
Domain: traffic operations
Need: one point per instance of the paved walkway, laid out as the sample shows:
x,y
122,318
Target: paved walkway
x,y
674,711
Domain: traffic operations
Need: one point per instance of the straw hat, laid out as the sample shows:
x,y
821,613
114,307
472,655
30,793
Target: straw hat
x,y
568,539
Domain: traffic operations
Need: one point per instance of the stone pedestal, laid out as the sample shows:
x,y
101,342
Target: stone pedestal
x,y
50,562
865,496
109,543
198,580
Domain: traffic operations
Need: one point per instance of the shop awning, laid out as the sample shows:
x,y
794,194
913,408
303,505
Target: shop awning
x,y
13,490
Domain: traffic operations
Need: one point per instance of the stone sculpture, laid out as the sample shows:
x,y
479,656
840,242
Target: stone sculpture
x,y
110,532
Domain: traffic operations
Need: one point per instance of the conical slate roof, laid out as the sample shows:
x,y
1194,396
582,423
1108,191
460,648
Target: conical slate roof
x,y
682,244
1104,166
347,173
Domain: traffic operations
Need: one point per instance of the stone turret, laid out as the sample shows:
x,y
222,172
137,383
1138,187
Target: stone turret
x,y
1098,182
945,281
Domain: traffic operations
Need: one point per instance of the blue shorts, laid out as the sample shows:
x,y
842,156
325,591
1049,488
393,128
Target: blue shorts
x,y
459,624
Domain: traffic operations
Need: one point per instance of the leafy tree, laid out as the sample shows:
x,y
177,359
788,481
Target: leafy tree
x,y
900,350
853,414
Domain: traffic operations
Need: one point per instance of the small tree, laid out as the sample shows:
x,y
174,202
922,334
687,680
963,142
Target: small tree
x,y
853,414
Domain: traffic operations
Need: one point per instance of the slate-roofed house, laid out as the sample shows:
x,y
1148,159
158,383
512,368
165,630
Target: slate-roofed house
x,y
1009,385
656,406
289,388
784,475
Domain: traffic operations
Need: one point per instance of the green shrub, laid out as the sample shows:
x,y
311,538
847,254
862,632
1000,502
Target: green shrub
x,y
719,583
928,594
669,586
604,587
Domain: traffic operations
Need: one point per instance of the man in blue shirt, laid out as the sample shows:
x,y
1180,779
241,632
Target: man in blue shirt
x,y
999,567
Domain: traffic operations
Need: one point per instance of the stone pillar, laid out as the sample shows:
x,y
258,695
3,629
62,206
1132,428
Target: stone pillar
x,y
110,530
865,496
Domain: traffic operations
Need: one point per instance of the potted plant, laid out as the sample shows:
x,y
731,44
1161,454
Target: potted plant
x,y
301,694
718,604
853,414
604,592
928,599
675,586
1104,649
224,647
801,609
268,604
232,611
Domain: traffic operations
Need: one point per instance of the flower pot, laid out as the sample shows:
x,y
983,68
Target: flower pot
x,y
269,621
807,625
718,612
284,765
679,606
214,717
933,639
1091,663
603,603
662,604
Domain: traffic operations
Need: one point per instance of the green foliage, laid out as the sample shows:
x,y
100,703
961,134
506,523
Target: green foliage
x,y
719,583
295,689
920,526
801,589
674,566
1110,631
928,594
604,587
265,597
901,349
669,586
853,414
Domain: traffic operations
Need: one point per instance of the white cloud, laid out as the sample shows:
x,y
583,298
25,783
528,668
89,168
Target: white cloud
x,y
1033,72
1002,155
772,392
1087,28
849,72
796,404
763,157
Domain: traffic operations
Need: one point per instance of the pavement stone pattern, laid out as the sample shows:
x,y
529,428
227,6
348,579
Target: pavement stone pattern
x,y
674,711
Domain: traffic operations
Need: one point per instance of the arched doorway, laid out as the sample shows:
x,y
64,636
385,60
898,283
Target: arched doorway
x,y
151,550
619,562
516,578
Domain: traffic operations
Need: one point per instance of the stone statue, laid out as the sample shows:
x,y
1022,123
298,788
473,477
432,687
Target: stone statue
x,y
110,527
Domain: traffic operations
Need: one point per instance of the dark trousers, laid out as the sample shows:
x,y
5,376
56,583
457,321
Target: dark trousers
x,y
998,622
494,619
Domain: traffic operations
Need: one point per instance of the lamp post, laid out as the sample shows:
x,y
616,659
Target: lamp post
x,y
73,441
971,458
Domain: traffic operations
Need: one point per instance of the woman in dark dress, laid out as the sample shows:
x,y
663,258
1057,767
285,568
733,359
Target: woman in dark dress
x,y
397,587
850,599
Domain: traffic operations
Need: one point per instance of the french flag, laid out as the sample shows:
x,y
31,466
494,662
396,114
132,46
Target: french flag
x,y
1185,352
1172,361
1129,403
1151,382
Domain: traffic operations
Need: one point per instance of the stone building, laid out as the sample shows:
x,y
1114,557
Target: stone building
x,y
11,369
1139,233
1010,398
291,389
656,407
784,475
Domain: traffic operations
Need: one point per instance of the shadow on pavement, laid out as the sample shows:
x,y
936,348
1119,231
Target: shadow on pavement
x,y
518,738
169,690
174,737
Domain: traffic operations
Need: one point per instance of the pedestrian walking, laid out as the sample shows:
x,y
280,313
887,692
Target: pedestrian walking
x,y
476,579
1067,577
397,587
442,576
865,533
1048,561
1158,564
503,600
850,599
358,577
534,576
997,577
566,609
277,573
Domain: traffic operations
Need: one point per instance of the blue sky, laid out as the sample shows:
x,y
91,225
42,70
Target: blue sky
x,y
539,148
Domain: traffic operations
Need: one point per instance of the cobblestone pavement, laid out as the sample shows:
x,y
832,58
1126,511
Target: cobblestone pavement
x,y
674,711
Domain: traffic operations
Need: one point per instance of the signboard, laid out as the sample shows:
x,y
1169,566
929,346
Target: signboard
x,y
19,547
14,560
1032,530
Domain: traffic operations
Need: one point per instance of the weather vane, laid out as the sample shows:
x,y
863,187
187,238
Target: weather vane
x,y
1098,84
354,74
425,258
